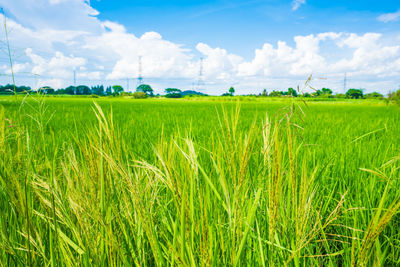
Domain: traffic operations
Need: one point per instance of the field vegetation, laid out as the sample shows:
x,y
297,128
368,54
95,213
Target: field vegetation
x,y
199,182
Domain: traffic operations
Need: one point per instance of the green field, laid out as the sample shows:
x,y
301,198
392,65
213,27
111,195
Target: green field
x,y
113,181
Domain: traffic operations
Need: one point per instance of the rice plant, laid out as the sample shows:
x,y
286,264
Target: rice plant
x,y
197,184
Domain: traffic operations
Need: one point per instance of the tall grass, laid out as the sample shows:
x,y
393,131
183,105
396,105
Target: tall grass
x,y
248,196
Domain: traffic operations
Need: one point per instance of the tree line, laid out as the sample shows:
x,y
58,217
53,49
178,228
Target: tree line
x,y
145,90
323,93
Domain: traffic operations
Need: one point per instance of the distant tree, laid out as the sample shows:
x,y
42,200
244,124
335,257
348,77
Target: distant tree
x,y
98,90
117,89
108,90
83,90
306,95
70,90
9,89
374,95
317,93
264,93
292,92
145,88
231,90
46,90
354,93
173,93
326,92
395,97
275,93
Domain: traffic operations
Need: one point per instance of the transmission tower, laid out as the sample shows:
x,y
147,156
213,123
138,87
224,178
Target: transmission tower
x,y
140,77
345,82
200,81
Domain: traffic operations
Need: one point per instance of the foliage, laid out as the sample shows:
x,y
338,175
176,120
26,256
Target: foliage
x,y
145,88
70,90
275,93
340,96
231,90
9,89
354,93
46,90
264,93
173,93
118,89
395,97
83,90
292,92
326,91
108,90
373,95
98,90
139,95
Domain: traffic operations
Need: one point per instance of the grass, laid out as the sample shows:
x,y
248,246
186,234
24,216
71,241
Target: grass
x,y
198,182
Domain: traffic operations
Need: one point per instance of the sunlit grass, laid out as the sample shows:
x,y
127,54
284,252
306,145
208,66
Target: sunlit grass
x,y
161,182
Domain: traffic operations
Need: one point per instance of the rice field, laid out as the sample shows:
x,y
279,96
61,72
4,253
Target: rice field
x,y
198,182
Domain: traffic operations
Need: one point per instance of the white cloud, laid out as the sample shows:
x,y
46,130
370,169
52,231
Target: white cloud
x,y
104,51
218,63
297,3
389,17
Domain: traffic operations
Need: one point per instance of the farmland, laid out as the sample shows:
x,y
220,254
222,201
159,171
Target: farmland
x,y
204,181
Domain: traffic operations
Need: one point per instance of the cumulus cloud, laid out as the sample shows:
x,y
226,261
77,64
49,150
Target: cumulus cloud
x,y
73,38
389,17
297,3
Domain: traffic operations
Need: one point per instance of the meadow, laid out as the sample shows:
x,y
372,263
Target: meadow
x,y
198,182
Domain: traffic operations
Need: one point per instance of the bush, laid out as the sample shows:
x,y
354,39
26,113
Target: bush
x,y
340,96
395,97
125,94
374,95
139,95
174,95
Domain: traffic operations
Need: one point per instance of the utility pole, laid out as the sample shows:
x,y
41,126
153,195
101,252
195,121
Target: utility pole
x,y
127,84
200,81
345,82
140,77
36,76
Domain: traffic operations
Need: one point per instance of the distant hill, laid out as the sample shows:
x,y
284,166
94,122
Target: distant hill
x,y
191,92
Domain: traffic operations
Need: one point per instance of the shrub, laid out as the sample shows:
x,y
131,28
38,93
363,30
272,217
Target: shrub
x,y
174,95
373,95
340,96
395,97
139,95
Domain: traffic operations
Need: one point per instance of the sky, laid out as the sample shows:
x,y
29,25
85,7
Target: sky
x,y
203,45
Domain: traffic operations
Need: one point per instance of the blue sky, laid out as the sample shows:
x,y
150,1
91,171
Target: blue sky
x,y
249,44
242,26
